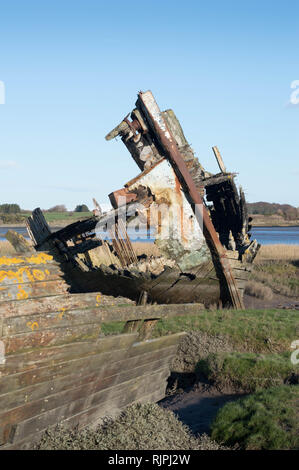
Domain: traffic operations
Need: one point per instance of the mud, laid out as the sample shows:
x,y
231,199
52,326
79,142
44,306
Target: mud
x,y
277,301
198,407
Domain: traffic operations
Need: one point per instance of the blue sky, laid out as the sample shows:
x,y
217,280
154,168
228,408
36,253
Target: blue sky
x,y
72,70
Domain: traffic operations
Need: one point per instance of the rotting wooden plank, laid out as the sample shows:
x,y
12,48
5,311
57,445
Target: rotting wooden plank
x,y
117,397
28,290
20,244
49,402
132,369
40,258
25,274
90,418
48,304
124,396
24,403
147,104
108,313
147,328
37,226
219,159
59,319
94,416
132,326
107,364
51,337
155,344
42,357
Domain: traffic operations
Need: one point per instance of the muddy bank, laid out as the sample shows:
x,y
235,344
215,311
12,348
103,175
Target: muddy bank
x,y
198,407
277,301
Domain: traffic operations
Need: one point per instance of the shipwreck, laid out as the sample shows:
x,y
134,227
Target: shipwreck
x,y
198,222
57,364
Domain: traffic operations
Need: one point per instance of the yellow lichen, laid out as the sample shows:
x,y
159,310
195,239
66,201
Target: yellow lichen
x,y
39,258
22,294
17,276
38,274
33,325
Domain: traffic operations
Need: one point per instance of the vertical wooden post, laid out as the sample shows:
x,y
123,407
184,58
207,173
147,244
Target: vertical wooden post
x,y
219,159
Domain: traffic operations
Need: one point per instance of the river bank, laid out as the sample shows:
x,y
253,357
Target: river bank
x,y
259,220
274,235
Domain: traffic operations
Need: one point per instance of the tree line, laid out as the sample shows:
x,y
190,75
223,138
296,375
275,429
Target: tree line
x,y
15,208
286,211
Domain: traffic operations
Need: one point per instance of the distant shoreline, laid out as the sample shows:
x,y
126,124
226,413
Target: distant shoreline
x,y
21,225
62,225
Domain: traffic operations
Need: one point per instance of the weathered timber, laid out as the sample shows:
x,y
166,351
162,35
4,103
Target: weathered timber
x,y
222,266
16,364
118,396
51,337
155,138
27,259
31,273
38,227
69,379
219,159
132,326
155,344
20,244
58,367
31,290
91,418
147,328
93,385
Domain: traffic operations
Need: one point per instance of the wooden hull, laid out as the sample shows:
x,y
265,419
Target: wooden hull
x,y
199,285
57,367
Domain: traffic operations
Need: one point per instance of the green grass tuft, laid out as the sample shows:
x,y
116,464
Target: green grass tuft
x,y
281,276
247,330
265,420
247,372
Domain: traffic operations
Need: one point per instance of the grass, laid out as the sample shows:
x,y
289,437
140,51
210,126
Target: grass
x,y
260,331
259,290
61,218
247,372
278,252
138,427
114,328
6,249
265,420
67,217
281,276
257,331
276,268
266,252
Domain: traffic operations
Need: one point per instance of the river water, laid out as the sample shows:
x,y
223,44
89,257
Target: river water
x,y
264,235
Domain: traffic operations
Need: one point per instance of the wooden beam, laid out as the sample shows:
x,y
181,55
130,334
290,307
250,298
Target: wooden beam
x,y
219,159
